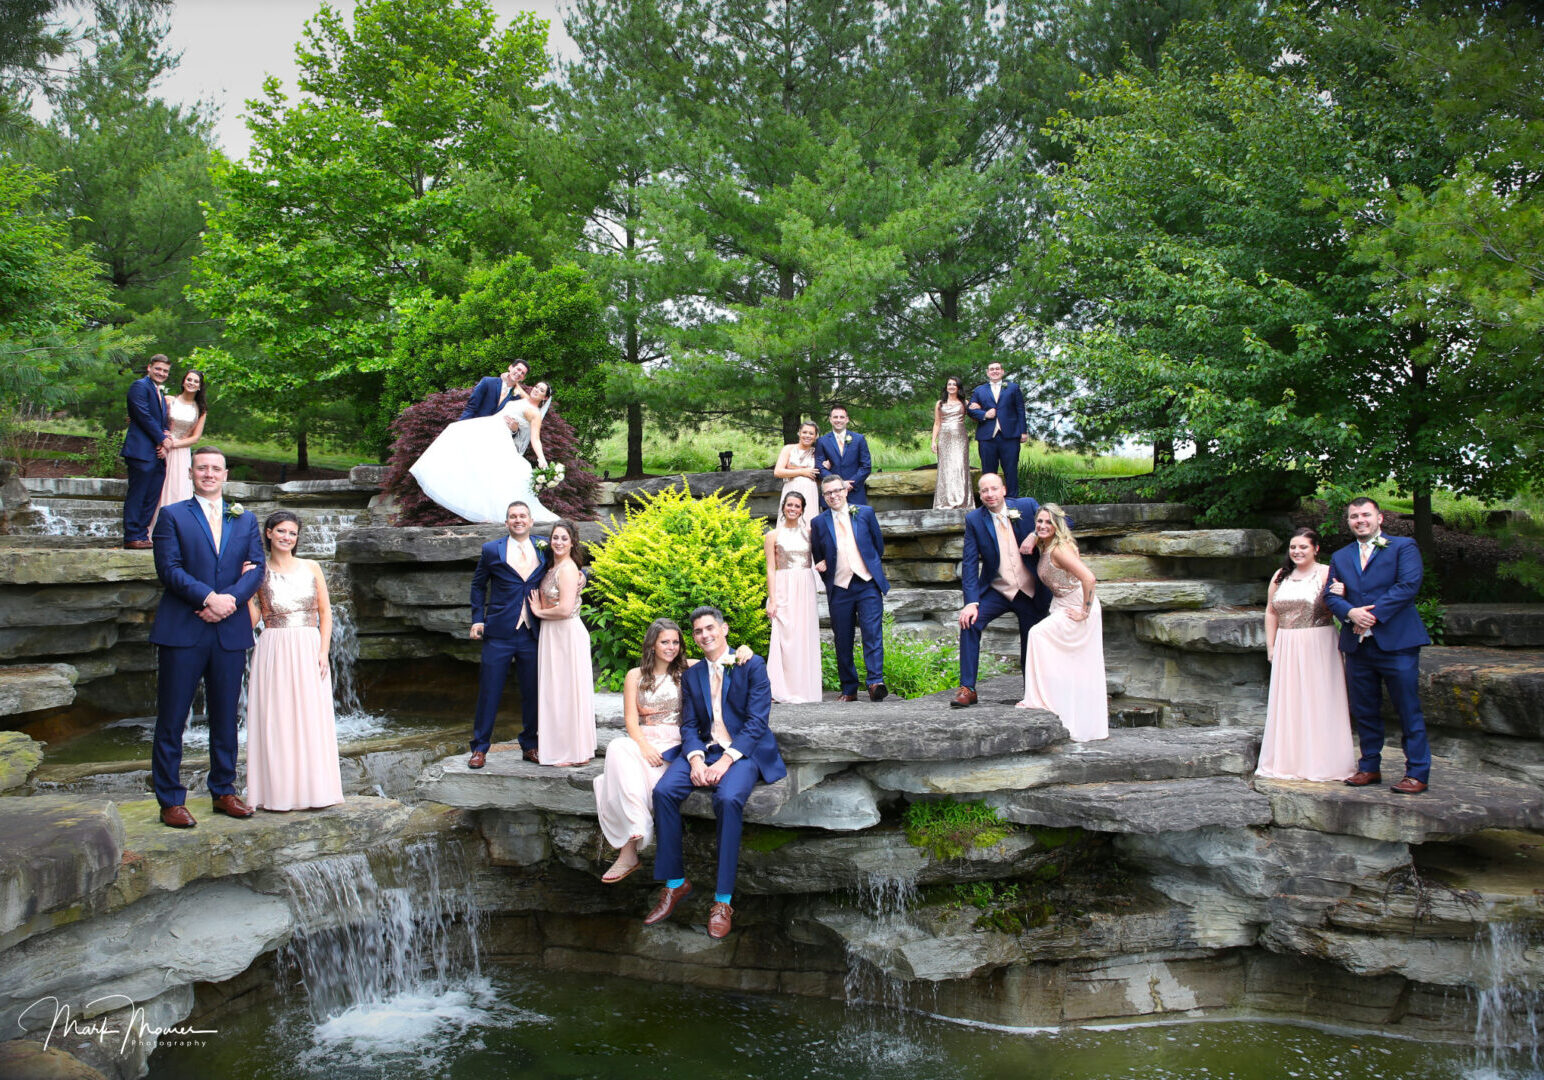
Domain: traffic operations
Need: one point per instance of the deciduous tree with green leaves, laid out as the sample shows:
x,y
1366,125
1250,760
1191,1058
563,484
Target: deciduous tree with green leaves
x,y
353,205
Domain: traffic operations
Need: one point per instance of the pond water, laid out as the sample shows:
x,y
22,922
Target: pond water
x,y
518,1023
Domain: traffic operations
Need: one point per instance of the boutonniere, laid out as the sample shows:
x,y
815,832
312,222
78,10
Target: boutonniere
x,y
1013,515
1381,542
729,659
234,510
844,438
539,544
852,509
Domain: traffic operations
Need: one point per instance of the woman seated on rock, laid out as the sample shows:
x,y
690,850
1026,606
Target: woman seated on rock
x,y
651,707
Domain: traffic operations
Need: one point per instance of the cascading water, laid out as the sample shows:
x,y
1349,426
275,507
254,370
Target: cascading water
x,y
887,1031
1510,1006
388,952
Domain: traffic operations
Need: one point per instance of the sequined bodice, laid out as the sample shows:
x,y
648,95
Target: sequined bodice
x,y
792,549
952,412
289,599
1059,581
183,416
661,704
552,591
1299,605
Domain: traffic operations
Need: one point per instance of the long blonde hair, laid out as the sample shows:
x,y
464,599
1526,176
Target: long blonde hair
x,y
1062,534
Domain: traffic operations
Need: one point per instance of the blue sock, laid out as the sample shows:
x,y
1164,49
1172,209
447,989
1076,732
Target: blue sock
x,y
675,883
722,897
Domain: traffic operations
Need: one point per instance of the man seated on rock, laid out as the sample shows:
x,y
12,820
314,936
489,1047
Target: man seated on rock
x,y
726,745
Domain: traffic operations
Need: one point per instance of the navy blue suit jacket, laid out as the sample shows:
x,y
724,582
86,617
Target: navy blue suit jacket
x,y
189,567
1010,411
983,555
485,398
747,707
865,534
147,421
852,463
499,594
1390,583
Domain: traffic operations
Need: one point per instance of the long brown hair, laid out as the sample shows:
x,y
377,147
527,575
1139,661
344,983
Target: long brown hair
x,y
677,667
1287,566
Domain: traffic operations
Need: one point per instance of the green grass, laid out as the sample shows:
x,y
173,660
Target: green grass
x,y
948,829
698,452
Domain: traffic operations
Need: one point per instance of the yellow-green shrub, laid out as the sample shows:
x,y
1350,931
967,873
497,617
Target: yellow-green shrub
x,y
676,552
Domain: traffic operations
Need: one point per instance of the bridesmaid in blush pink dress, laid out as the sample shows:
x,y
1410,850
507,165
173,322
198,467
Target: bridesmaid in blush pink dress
x,y
1064,664
565,706
793,660
185,414
292,745
1308,731
796,465
651,706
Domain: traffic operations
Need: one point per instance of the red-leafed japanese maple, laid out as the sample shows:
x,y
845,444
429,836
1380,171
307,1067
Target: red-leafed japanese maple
x,y
420,424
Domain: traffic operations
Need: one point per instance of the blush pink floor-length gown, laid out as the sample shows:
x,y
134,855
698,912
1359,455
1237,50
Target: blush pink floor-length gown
x,y
1308,732
292,743
565,703
793,659
178,485
624,793
1064,664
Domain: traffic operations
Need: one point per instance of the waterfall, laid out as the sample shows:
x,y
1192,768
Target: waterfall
x,y
344,654
1510,1004
370,934
319,536
888,1030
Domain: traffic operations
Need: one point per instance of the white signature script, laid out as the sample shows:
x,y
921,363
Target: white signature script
x,y
102,1028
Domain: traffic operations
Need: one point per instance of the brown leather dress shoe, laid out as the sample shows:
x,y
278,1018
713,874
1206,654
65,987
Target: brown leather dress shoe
x,y
878,692
668,899
1409,786
846,697
232,806
963,697
1364,779
530,755
177,817
477,760
138,545
720,920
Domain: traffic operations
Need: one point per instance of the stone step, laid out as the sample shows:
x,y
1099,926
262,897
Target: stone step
x,y
1204,631
1154,807
55,852
1133,754
1459,803
1507,626
1202,543
27,688
1496,691
41,562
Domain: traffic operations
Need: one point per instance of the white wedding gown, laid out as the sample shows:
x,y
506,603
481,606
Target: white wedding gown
x,y
475,469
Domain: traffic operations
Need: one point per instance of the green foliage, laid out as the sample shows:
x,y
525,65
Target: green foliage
x,y
608,648
765,838
1433,612
1047,482
551,319
104,458
915,666
357,201
948,829
675,552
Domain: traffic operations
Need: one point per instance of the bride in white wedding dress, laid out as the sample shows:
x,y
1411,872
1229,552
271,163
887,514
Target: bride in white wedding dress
x,y
475,469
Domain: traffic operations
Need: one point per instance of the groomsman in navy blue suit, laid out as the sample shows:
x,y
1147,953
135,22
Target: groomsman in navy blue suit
x,y
202,632
510,569
494,392
726,745
846,538
144,451
1381,634
1001,425
844,453
996,577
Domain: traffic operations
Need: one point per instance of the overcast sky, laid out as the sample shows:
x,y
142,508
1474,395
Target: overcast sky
x,y
230,46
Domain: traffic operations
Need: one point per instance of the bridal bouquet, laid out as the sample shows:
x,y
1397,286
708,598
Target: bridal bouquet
x,y
547,476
